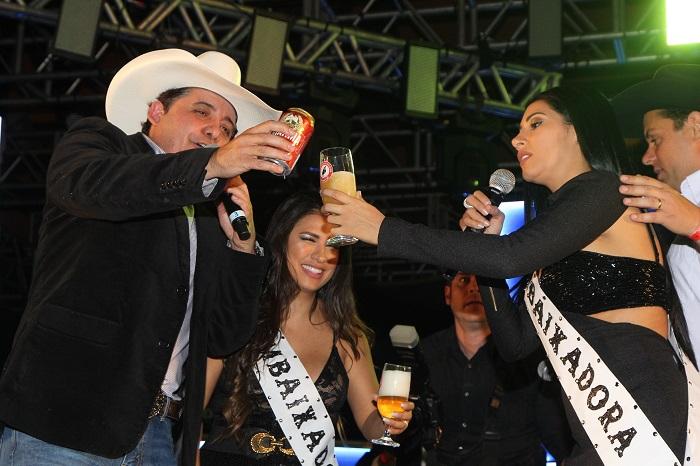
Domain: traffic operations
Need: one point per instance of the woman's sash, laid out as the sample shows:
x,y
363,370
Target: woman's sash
x,y
297,405
618,429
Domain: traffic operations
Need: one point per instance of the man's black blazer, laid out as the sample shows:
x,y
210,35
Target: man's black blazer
x,y
109,294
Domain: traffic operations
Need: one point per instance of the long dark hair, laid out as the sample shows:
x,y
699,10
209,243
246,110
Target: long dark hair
x,y
335,299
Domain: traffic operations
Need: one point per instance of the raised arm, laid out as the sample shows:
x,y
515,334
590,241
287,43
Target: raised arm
x,y
578,213
98,173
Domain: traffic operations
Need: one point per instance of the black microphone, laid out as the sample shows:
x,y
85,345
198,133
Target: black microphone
x,y
239,222
501,183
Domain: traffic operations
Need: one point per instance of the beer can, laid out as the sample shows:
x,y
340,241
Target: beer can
x,y
302,124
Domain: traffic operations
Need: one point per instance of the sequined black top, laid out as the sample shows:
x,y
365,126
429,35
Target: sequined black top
x,y
588,282
332,385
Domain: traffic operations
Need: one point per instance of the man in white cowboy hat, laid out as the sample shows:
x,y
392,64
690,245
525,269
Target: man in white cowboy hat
x,y
138,275
669,105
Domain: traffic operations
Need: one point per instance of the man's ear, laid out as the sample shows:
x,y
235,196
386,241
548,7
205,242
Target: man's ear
x,y
448,294
694,122
156,110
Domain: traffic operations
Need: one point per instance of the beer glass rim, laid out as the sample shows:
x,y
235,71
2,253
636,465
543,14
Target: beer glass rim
x,y
335,150
390,366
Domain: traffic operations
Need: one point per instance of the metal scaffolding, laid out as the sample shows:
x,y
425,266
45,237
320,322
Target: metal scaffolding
x,y
353,45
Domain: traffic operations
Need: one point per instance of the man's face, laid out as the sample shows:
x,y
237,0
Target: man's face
x,y
196,119
463,296
673,154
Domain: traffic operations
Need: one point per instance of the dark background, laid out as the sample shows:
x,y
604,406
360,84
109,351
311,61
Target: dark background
x,y
416,168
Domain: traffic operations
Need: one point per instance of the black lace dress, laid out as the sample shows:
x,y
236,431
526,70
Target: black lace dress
x,y
332,385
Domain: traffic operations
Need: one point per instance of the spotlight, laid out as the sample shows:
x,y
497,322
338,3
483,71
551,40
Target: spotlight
x,y
681,22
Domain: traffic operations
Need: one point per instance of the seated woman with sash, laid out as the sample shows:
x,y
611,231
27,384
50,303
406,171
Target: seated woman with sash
x,y
277,400
599,297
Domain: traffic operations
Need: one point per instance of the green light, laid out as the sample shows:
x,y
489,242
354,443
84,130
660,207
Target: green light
x,y
681,22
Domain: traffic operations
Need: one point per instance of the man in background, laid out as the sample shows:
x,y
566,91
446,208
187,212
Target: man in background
x,y
489,412
667,109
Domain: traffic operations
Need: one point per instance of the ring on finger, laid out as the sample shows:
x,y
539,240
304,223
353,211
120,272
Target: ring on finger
x,y
466,204
658,207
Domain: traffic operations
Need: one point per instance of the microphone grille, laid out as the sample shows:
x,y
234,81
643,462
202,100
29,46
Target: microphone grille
x,y
503,180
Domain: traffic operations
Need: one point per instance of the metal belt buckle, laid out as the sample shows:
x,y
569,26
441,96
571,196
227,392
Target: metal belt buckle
x,y
264,443
158,405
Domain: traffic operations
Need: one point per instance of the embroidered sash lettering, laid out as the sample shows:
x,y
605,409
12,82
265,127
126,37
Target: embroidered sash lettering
x,y
598,398
301,418
297,405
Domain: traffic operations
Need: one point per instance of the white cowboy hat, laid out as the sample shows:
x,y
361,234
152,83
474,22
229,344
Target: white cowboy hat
x,y
145,77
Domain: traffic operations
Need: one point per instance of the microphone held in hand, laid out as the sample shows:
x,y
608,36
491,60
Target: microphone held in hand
x,y
239,222
501,183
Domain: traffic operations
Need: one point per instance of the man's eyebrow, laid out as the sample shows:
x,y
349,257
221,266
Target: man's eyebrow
x,y
210,106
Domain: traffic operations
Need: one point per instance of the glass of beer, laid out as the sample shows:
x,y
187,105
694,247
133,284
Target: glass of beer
x,y
337,172
393,390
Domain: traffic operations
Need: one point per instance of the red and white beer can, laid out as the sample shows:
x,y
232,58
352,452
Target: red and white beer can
x,y
302,124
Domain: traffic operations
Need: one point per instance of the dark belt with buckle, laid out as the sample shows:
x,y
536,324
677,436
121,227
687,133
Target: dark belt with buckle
x,y
164,406
264,443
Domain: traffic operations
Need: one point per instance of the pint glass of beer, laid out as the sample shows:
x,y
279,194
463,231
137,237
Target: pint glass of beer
x,y
393,390
337,172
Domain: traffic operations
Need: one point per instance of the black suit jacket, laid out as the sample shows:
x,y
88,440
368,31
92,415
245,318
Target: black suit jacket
x,y
109,294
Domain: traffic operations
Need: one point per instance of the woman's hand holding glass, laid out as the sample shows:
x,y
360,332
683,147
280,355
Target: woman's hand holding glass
x,y
477,208
398,421
393,393
353,216
337,171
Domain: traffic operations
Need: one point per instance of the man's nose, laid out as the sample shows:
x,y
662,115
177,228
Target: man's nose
x,y
649,155
213,132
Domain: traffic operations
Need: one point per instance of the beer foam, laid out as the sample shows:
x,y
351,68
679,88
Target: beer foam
x,y
395,383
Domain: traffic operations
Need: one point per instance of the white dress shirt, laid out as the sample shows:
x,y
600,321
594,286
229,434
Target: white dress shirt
x,y
174,375
684,261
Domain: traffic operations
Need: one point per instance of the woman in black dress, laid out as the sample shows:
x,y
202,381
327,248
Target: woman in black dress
x,y
308,297
603,271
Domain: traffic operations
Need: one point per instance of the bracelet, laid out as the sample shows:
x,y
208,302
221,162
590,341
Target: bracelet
x,y
695,236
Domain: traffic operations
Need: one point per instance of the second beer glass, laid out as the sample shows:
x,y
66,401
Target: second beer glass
x,y
394,388
337,172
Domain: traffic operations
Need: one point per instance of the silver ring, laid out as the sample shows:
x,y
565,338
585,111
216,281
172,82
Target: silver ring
x,y
466,204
